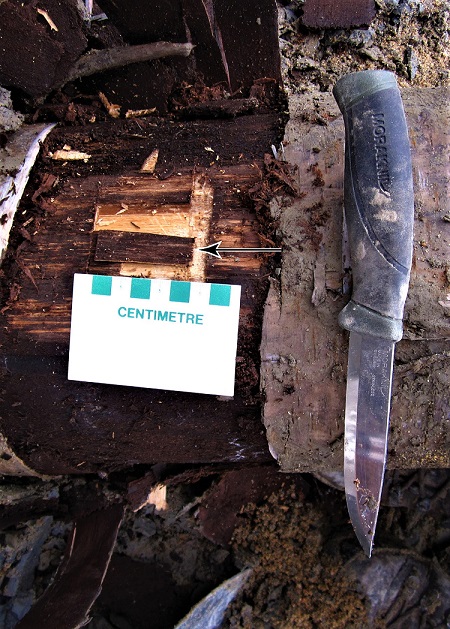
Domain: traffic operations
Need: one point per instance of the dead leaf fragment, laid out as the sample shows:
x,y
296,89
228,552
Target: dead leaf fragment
x,y
27,272
47,183
150,163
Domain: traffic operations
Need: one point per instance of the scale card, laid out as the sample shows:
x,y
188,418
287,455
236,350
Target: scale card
x,y
161,334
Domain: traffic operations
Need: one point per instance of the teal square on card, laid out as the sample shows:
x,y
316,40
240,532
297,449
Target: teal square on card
x,y
220,295
140,288
180,291
101,285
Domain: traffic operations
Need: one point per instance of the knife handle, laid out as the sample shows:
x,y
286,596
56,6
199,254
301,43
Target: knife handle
x,y
379,202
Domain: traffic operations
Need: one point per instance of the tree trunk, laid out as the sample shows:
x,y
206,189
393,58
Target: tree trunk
x,y
199,194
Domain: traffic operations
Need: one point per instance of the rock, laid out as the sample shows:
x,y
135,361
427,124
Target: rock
x,y
27,548
356,38
412,62
402,587
373,53
145,527
397,7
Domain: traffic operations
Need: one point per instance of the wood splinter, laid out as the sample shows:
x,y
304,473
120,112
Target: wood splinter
x,y
102,60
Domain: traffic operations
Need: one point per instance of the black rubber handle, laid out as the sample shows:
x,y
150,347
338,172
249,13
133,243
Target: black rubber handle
x,y
379,201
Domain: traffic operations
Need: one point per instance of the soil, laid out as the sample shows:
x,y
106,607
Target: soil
x,y
291,530
408,38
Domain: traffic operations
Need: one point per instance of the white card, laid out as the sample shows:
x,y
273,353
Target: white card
x,y
161,334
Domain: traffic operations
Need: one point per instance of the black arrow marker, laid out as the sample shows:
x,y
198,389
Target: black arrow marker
x,y
213,249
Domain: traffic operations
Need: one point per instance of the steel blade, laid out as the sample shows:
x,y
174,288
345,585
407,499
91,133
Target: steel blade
x,y
369,380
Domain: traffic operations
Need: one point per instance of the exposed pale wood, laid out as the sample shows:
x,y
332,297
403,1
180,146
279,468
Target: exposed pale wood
x,y
167,221
202,205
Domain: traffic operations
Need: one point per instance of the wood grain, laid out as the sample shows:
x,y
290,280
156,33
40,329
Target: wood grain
x,y
117,246
81,427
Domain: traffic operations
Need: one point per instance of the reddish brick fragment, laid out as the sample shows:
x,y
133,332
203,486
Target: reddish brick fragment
x,y
338,13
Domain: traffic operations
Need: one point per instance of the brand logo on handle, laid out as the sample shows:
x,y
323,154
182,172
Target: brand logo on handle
x,y
381,153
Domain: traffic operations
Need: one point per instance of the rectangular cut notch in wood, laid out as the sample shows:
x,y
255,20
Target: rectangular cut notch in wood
x,y
115,246
189,221
179,208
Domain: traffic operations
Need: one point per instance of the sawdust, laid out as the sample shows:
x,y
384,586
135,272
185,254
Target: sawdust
x,y
296,580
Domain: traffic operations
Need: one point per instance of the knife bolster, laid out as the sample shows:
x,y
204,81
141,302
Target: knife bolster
x,y
358,318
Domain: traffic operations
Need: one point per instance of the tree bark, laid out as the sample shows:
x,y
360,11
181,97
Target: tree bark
x,y
304,352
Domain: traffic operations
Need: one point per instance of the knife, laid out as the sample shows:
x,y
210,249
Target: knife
x,y
379,213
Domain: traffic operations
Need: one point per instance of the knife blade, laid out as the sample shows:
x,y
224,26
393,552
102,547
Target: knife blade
x,y
379,213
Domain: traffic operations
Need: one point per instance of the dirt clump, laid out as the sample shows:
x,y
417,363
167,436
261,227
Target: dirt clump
x,y
408,38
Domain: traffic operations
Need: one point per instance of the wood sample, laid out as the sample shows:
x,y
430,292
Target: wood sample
x,y
202,195
118,246
70,596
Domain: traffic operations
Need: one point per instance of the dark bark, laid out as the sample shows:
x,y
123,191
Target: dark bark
x,y
60,426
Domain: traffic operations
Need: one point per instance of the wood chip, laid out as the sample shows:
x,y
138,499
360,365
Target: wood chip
x,y
150,163
138,113
48,181
48,19
123,208
158,498
112,109
70,155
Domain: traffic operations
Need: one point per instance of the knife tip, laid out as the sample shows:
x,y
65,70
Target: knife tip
x,y
366,541
367,547
364,530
